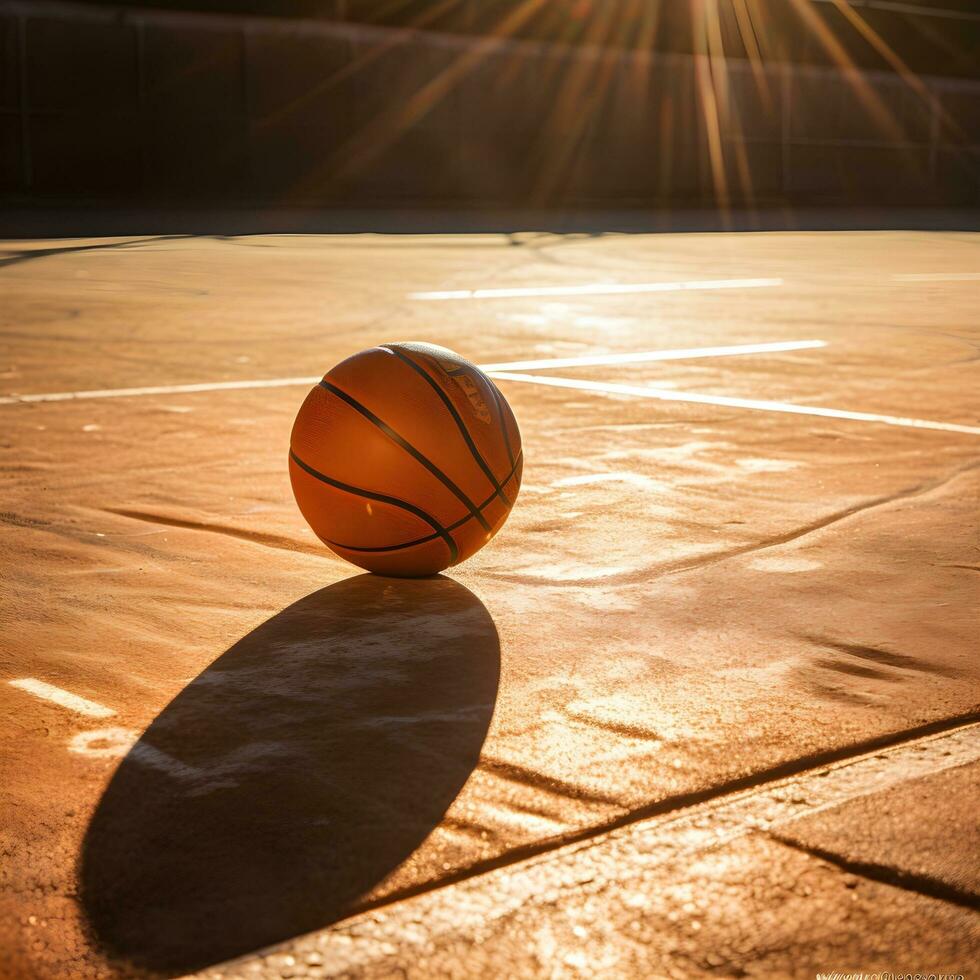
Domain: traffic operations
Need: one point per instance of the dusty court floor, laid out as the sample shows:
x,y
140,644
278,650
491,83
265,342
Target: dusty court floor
x,y
708,705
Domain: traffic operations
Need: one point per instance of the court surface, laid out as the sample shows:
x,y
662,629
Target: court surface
x,y
708,704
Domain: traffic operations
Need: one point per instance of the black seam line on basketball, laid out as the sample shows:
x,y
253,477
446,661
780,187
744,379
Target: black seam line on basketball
x,y
498,398
431,537
441,532
407,446
460,424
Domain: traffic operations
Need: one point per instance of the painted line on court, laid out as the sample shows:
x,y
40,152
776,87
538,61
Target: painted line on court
x,y
67,396
635,859
938,277
65,699
107,742
584,361
118,743
597,289
788,408
641,357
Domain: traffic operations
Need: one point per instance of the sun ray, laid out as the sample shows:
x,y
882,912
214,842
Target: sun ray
x,y
701,12
730,110
894,59
747,31
379,133
581,96
394,39
862,88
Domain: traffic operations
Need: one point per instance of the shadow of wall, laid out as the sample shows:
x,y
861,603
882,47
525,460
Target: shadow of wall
x,y
293,775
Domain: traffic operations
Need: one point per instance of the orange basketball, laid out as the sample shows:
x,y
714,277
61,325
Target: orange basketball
x,y
405,459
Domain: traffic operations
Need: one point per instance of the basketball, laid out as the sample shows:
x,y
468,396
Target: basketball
x,y
405,459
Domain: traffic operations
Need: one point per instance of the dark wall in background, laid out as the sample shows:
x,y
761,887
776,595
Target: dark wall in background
x,y
929,36
103,104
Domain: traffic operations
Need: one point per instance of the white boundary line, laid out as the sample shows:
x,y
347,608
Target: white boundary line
x,y
68,396
597,360
610,388
937,277
65,699
509,371
584,361
597,289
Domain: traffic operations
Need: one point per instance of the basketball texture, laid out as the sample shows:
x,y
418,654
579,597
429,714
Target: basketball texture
x,y
405,459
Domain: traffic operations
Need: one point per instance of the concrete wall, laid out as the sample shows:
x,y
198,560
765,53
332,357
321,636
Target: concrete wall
x,y
97,103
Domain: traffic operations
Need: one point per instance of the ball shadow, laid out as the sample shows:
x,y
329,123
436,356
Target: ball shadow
x,y
295,773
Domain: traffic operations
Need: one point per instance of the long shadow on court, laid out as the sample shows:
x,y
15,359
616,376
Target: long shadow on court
x,y
295,773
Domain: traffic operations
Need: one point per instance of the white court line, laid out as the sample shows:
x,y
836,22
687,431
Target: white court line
x,y
937,277
663,394
596,289
640,357
67,396
48,692
595,359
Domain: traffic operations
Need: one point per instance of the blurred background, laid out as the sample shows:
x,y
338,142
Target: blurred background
x,y
489,104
